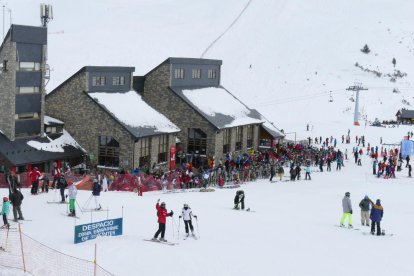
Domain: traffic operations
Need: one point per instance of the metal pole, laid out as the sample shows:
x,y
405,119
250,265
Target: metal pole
x,y
94,262
356,112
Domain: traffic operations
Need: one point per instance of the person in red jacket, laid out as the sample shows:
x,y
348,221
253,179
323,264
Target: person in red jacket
x,y
34,177
162,218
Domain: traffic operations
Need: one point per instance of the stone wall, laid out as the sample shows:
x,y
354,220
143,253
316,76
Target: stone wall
x,y
8,88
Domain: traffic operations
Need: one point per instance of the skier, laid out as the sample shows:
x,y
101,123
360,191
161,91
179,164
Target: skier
x,y
72,192
272,172
5,212
96,192
365,206
186,215
56,175
16,199
347,210
297,170
239,198
162,217
307,172
34,177
62,184
377,212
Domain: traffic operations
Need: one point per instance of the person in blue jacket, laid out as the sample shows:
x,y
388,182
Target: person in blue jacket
x,y
5,210
376,215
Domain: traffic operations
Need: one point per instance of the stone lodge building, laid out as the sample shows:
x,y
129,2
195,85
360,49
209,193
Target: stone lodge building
x,y
111,121
212,120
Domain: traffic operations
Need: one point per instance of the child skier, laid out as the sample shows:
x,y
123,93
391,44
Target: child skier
x,y
72,191
162,218
239,198
5,212
186,215
347,210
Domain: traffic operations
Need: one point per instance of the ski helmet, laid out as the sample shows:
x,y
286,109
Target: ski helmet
x,y
162,204
347,194
185,205
5,199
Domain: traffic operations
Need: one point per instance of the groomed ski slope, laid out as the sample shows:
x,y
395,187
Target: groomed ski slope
x,y
292,231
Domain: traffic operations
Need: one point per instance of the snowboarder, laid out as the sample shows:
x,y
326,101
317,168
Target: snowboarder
x,y
16,199
239,198
162,218
365,207
347,210
5,210
187,214
376,215
96,192
72,192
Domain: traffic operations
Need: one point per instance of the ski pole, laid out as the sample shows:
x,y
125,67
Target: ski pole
x,y
172,223
80,208
179,222
198,228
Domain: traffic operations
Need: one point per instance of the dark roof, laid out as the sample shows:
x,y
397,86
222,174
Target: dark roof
x,y
220,121
407,113
18,152
176,60
138,84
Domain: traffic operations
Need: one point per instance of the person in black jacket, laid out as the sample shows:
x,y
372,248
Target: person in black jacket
x,y
239,198
16,199
272,172
62,184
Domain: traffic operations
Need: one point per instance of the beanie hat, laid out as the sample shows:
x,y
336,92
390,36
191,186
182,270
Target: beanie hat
x,y
5,199
378,202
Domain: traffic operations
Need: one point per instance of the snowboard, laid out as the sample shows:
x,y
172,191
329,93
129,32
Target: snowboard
x,y
345,227
161,242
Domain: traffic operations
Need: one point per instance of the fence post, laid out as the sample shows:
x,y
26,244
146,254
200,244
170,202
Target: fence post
x,y
94,263
21,246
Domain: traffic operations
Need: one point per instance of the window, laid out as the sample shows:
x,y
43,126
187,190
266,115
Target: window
x,y
50,130
179,73
250,129
211,74
118,80
98,81
196,73
144,151
197,141
108,152
239,138
29,66
28,115
226,140
162,148
28,89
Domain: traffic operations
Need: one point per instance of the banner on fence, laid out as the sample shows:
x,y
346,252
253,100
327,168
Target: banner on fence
x,y
110,227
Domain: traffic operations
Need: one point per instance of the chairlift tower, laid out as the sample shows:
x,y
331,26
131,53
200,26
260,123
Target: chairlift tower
x,y
357,88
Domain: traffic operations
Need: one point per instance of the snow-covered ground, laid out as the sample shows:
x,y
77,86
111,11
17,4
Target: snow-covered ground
x,y
292,231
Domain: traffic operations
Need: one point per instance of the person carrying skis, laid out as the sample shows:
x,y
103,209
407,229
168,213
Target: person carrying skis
x,y
72,192
239,198
376,215
365,207
186,214
16,199
347,210
5,210
162,219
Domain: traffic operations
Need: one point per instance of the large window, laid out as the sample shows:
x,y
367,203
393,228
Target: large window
x,y
108,151
211,74
144,151
29,66
197,141
179,73
250,129
226,140
162,148
118,80
239,138
196,73
98,81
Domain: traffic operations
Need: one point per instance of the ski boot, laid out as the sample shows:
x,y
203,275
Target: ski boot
x,y
154,239
187,235
342,225
350,226
163,240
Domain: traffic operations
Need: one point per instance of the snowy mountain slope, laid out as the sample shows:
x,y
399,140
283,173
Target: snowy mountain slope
x,y
299,51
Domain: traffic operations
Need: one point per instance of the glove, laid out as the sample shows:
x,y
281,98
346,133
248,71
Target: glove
x,y
171,213
350,212
179,217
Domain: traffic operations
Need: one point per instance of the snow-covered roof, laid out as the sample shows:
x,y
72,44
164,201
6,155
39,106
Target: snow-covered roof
x,y
56,145
52,121
219,106
272,129
134,114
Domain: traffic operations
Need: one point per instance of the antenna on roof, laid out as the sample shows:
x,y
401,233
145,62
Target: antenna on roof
x,y
46,14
